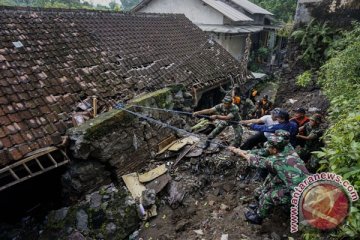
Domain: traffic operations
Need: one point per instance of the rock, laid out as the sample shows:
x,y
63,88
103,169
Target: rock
x,y
134,235
224,207
275,236
76,236
181,225
61,214
82,220
199,232
95,200
110,228
148,198
224,236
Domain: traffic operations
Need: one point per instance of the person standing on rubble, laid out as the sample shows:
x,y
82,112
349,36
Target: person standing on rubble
x,y
228,115
287,170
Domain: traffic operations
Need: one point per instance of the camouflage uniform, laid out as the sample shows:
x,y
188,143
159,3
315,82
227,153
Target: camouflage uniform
x,y
314,144
286,172
248,108
221,125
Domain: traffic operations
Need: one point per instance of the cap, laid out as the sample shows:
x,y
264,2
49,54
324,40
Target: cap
x,y
227,99
316,117
300,110
276,142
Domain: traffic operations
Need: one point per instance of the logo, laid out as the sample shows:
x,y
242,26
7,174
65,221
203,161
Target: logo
x,y
322,200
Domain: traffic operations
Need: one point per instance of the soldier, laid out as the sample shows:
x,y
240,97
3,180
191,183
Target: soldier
x,y
228,114
266,105
312,133
287,171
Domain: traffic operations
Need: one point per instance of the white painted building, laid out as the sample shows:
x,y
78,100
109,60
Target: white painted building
x,y
229,21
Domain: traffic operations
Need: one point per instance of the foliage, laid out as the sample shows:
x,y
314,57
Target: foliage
x,y
285,30
340,80
283,10
315,41
304,79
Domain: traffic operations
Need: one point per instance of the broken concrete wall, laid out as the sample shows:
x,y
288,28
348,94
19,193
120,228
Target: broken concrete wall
x,y
338,13
120,140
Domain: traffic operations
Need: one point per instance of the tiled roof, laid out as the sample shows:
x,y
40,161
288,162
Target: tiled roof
x,y
69,55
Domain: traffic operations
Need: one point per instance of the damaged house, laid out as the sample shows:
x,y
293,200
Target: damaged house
x,y
63,72
229,22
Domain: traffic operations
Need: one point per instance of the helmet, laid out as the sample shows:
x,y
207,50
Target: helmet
x,y
227,99
284,134
277,142
316,118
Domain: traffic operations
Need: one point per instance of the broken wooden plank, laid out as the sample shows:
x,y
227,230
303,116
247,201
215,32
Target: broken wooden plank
x,y
159,183
152,174
134,185
165,148
183,142
183,153
166,142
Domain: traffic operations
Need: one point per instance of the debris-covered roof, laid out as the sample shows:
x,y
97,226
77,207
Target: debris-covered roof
x,y
228,11
51,59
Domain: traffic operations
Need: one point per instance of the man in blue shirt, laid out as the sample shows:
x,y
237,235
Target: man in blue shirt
x,y
284,124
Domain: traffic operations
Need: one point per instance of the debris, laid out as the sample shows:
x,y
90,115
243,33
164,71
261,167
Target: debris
x,y
154,173
147,224
182,154
176,194
165,148
224,236
200,126
224,207
159,183
141,211
164,216
148,198
211,203
166,142
135,142
194,152
134,185
200,232
179,144
152,212
292,101
181,225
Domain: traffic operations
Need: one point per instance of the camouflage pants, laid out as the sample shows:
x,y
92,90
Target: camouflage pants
x,y
221,125
276,196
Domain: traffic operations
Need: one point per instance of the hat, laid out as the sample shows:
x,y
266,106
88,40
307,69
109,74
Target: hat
x,y
300,110
227,99
316,117
276,142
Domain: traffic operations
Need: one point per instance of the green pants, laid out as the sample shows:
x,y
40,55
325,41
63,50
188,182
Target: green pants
x,y
276,196
221,125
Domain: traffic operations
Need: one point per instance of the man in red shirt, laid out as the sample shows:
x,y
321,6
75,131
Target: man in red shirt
x,y
299,117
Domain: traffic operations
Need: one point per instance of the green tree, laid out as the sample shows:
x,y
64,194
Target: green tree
x,y
283,10
129,4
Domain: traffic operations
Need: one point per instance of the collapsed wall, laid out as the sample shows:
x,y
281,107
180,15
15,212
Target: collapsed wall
x,y
121,141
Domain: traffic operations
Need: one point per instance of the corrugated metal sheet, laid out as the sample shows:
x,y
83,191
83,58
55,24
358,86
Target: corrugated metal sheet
x,y
251,7
230,29
227,10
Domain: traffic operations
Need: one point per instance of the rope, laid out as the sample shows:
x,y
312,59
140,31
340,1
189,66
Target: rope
x,y
178,112
149,119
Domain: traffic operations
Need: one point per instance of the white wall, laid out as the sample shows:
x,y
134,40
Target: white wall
x,y
195,10
235,45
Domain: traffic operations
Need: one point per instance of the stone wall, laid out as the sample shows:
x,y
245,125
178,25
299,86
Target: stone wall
x,y
120,140
338,13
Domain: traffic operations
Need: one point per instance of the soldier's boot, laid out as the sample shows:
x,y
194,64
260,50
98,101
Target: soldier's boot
x,y
253,217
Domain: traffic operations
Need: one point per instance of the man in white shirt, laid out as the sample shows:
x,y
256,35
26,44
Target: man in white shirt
x,y
260,137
